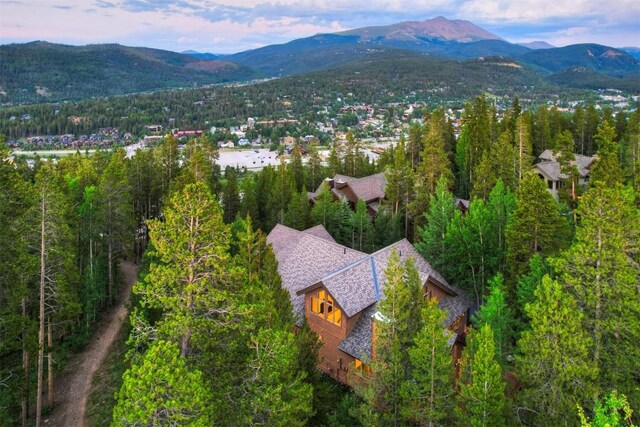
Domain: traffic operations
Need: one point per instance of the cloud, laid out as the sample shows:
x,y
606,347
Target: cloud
x,y
233,25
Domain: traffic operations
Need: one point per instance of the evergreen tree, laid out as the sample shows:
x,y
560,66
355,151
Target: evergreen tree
x,y
599,269
298,214
323,209
555,365
396,324
116,222
429,393
249,202
523,145
482,397
189,283
362,237
536,225
496,313
18,271
434,165
161,390
606,168
499,162
567,160
276,393
295,167
399,181
529,282
168,161
314,167
432,238
230,195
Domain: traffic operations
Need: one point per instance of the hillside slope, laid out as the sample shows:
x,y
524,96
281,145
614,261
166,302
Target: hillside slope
x,y
41,71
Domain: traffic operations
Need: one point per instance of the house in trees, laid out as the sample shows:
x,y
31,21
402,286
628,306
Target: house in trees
x,y
369,188
548,168
337,289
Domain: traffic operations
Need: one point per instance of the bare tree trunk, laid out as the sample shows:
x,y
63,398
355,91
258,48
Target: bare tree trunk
x,y
41,321
25,369
49,363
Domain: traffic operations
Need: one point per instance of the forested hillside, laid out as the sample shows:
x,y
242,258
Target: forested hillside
x,y
44,72
211,339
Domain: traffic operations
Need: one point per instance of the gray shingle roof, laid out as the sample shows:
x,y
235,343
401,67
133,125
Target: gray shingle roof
x,y
354,279
551,167
321,232
367,188
303,259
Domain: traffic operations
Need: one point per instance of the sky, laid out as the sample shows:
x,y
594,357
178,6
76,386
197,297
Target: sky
x,y
230,26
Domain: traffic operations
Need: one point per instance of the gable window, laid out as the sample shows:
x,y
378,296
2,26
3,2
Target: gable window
x,y
323,305
362,367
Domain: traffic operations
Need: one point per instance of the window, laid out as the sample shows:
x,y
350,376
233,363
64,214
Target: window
x,y
323,305
362,367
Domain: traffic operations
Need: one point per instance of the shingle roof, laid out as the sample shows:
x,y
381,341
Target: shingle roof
x,y
321,232
354,279
367,188
551,167
305,258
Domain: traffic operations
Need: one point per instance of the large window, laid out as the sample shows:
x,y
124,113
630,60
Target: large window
x,y
323,305
361,367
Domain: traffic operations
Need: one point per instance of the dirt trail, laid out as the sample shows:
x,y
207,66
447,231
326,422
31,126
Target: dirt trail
x,y
73,386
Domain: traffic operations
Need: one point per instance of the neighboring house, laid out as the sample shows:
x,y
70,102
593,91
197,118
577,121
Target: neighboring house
x,y
462,205
337,289
548,169
369,188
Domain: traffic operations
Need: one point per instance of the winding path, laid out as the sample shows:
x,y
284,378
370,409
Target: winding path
x,y
73,386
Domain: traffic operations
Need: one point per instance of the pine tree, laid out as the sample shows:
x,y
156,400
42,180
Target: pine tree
x,y
429,393
496,313
116,221
314,167
567,160
399,181
523,145
295,167
499,162
298,214
57,276
362,237
323,210
168,160
529,282
606,168
249,203
432,238
599,269
396,324
555,365
230,195
188,286
536,225
434,165
276,393
161,390
18,271
482,388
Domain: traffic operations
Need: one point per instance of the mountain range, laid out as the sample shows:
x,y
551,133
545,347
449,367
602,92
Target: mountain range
x,y
44,71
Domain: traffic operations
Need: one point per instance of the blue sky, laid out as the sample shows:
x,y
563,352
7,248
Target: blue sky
x,y
233,25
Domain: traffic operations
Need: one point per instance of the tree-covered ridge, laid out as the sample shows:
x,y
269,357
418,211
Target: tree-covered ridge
x,y
43,72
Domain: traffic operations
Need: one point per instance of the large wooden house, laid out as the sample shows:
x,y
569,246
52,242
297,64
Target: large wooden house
x,y
337,289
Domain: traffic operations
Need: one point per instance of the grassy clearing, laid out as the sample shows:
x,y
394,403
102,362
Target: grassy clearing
x,y
106,381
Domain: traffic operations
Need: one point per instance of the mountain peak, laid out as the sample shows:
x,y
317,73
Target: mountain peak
x,y
438,28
